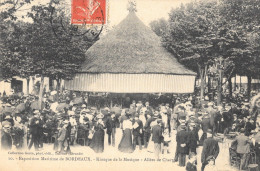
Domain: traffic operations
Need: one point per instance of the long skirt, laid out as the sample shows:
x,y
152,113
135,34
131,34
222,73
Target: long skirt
x,y
97,143
126,144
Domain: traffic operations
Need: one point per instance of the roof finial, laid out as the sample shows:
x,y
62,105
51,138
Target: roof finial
x,y
131,7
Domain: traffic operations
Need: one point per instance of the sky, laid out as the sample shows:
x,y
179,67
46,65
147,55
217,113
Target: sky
x,y
147,10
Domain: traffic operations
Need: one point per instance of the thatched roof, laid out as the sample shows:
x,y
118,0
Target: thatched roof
x,y
131,47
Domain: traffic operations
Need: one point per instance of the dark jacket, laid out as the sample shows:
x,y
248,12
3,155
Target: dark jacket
x,y
193,138
182,137
157,134
110,124
139,129
6,141
191,167
147,127
210,148
248,128
205,124
34,127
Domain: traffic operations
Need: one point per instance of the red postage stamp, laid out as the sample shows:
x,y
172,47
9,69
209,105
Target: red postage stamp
x,y
88,12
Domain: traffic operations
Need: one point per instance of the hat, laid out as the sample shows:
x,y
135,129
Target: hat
x,y
188,103
83,106
156,115
182,121
8,105
53,93
183,127
65,122
159,120
71,112
209,131
100,116
36,112
192,124
87,111
191,113
234,114
86,119
83,112
5,123
183,124
210,104
8,117
92,108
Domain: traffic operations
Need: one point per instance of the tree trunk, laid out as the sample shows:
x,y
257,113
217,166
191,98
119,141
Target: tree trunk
x,y
219,90
230,87
28,85
240,86
235,83
58,89
209,88
249,83
202,80
41,92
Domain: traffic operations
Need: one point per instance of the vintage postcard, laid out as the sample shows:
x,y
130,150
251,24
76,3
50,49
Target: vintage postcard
x,y
127,85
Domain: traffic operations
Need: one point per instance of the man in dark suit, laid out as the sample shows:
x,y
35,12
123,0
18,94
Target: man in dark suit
x,y
34,130
111,128
147,129
212,115
182,139
6,140
210,149
137,132
205,125
157,137
148,107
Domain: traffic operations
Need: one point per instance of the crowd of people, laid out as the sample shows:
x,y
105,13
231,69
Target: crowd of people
x,y
70,121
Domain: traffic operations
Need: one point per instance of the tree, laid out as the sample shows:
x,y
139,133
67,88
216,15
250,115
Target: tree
x,y
38,51
245,18
201,34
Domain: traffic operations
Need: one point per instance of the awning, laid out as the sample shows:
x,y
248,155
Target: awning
x,y
131,83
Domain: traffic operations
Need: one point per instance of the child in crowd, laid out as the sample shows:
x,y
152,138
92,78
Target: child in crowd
x,y
192,163
166,141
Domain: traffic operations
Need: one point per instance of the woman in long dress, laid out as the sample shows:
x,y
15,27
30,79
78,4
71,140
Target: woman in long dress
x,y
97,143
126,144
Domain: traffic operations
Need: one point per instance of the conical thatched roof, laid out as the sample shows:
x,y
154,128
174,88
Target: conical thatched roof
x,y
131,47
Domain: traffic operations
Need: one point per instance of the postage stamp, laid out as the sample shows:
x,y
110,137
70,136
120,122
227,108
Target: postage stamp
x,y
89,12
